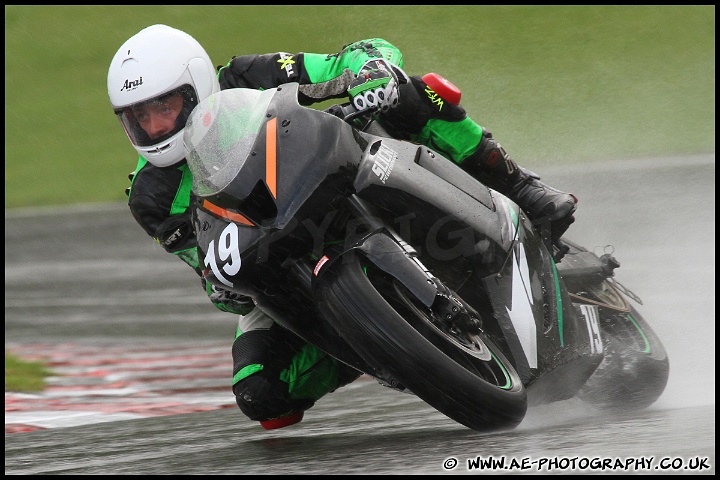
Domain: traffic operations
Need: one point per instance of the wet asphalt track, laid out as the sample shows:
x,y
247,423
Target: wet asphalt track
x,y
91,276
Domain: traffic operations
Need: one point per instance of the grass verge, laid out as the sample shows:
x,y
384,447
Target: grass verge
x,y
23,375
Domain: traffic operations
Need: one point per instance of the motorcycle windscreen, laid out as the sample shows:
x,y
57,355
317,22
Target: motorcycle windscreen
x,y
220,134
262,154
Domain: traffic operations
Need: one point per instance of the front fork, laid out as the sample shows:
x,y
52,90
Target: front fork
x,y
448,308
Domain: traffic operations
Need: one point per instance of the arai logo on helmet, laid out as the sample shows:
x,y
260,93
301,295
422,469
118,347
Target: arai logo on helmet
x,y
131,85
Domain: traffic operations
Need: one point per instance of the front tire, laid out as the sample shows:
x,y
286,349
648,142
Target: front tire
x,y
464,376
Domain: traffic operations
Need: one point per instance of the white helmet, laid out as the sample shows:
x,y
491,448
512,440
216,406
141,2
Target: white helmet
x,y
158,62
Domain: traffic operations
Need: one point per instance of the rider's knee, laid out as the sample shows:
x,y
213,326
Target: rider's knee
x,y
261,398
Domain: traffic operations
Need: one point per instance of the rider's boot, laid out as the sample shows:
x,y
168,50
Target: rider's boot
x,y
550,210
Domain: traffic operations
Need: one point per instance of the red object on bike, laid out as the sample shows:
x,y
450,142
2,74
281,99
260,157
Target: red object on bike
x,y
443,87
280,422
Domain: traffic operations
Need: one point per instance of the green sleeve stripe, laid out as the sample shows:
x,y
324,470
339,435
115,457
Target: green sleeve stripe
x,y
246,372
182,197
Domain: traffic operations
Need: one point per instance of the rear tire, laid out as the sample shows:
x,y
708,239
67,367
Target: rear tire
x,y
464,376
635,369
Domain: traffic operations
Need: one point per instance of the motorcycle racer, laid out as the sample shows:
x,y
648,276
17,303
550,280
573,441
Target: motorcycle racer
x,y
160,74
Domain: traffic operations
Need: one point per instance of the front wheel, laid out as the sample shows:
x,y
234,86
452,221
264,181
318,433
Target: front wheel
x,y
462,374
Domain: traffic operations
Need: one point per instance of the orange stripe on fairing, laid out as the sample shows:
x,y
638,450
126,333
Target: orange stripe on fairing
x,y
235,217
271,156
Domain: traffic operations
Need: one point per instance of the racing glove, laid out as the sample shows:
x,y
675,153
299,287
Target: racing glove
x,y
376,86
175,233
228,301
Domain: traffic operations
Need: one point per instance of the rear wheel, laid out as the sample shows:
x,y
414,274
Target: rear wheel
x,y
635,369
453,367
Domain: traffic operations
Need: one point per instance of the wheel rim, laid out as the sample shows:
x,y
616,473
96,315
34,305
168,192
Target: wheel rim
x,y
466,348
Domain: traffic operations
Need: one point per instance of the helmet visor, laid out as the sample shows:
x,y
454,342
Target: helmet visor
x,y
153,121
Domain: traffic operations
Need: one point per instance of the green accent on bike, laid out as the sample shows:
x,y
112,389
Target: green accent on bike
x,y
558,303
514,216
508,381
647,343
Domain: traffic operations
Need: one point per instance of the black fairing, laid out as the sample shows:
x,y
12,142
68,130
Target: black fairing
x,y
315,158
285,205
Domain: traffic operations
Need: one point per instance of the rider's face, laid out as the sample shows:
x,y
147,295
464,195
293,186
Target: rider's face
x,y
158,118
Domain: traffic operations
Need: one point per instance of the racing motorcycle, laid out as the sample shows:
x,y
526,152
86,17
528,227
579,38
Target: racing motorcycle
x,y
389,257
